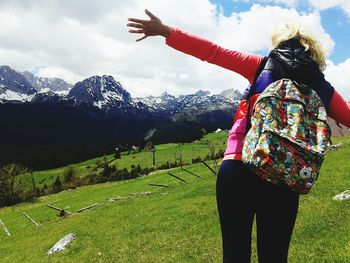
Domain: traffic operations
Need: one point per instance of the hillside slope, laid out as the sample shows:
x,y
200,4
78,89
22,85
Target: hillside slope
x,y
175,224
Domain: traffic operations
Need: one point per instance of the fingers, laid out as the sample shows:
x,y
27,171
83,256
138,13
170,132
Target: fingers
x,y
137,31
142,25
150,14
135,25
142,38
140,21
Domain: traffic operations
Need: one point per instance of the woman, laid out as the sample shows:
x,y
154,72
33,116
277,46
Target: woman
x,y
241,195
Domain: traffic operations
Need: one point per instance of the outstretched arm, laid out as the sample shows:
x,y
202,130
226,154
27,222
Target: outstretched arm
x,y
239,62
242,63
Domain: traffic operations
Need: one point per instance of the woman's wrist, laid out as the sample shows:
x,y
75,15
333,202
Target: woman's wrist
x,y
165,31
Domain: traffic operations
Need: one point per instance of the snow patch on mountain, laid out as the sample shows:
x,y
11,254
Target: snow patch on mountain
x,y
231,94
13,86
101,91
201,100
10,95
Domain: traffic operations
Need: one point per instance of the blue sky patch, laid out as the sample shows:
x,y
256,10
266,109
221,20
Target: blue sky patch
x,y
334,20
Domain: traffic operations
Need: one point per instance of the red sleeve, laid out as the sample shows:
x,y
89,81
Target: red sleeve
x,y
239,62
339,109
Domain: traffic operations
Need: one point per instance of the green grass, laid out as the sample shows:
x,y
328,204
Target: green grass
x,y
48,176
170,151
176,224
164,152
140,229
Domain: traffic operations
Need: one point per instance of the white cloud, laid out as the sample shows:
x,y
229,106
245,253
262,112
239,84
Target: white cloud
x,y
287,2
53,72
325,4
77,39
290,3
315,4
339,76
251,30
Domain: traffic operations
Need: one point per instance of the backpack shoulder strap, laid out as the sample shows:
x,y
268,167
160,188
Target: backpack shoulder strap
x,y
251,88
261,67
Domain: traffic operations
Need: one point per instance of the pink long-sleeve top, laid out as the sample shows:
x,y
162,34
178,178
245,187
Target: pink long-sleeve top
x,y
246,65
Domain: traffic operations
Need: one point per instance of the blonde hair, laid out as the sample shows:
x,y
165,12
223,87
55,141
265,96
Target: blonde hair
x,y
293,30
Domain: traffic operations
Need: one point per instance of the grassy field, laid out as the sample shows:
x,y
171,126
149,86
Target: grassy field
x,y
164,152
175,224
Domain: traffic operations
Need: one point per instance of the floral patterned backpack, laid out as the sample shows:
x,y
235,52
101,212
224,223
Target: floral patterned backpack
x,y
288,137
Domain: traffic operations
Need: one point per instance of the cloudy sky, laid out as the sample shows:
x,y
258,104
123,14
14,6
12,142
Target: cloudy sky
x,y
75,39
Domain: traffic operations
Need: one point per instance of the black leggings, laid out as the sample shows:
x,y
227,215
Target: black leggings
x,y
240,196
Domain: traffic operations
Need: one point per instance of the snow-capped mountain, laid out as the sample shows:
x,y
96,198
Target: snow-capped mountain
x,y
25,86
107,94
14,86
51,98
162,103
201,100
232,94
43,84
103,92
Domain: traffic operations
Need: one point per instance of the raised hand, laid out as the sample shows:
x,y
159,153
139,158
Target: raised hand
x,y
152,27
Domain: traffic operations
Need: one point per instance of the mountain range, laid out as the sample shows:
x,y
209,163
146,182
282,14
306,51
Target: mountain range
x,y
49,122
103,92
